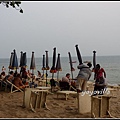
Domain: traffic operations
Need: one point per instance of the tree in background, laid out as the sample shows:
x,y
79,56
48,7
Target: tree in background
x,y
14,4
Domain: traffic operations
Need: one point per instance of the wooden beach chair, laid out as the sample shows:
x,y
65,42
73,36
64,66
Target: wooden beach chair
x,y
13,88
66,86
66,93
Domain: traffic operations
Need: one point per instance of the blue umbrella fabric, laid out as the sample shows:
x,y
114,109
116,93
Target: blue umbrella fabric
x,y
71,65
24,60
15,60
11,59
78,54
32,65
21,59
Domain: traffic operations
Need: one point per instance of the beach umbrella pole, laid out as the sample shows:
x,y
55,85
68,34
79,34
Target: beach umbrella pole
x,y
52,75
72,74
43,74
32,74
46,78
57,75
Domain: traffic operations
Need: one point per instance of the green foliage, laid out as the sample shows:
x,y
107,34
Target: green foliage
x,y
14,4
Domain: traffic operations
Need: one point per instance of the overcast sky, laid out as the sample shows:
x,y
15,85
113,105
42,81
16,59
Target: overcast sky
x,y
45,25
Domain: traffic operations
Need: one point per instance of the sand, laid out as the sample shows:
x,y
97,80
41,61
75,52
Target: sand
x,y
11,107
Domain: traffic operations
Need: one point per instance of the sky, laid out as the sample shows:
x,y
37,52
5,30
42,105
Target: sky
x,y
45,25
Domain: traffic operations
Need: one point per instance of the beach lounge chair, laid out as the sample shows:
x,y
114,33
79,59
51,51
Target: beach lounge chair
x,y
66,86
66,93
3,85
13,88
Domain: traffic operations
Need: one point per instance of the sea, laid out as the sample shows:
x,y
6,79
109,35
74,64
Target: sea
x,y
111,65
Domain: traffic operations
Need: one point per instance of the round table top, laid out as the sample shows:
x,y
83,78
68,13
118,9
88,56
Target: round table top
x,y
43,87
67,92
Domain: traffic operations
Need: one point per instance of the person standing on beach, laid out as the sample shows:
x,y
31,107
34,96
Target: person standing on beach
x,y
99,72
83,76
3,69
99,78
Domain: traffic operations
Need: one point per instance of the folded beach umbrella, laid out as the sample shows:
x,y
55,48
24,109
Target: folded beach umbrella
x,y
32,65
94,59
47,66
53,69
43,63
71,65
58,66
78,54
21,59
15,61
11,59
24,60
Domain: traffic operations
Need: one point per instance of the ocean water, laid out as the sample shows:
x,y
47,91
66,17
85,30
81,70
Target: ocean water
x,y
111,65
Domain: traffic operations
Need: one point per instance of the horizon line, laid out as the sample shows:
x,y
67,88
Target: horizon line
x,y
72,56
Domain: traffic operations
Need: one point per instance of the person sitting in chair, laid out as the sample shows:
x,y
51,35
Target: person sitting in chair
x,y
66,78
18,82
65,82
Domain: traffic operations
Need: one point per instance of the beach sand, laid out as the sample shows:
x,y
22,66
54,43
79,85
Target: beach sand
x,y
11,107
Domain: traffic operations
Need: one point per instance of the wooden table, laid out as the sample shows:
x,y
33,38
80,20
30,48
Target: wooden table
x,y
66,93
43,88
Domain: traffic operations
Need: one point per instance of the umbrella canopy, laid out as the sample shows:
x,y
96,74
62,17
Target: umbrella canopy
x,y
58,64
24,60
47,66
11,59
94,59
21,59
53,69
71,65
43,61
14,61
78,54
32,65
